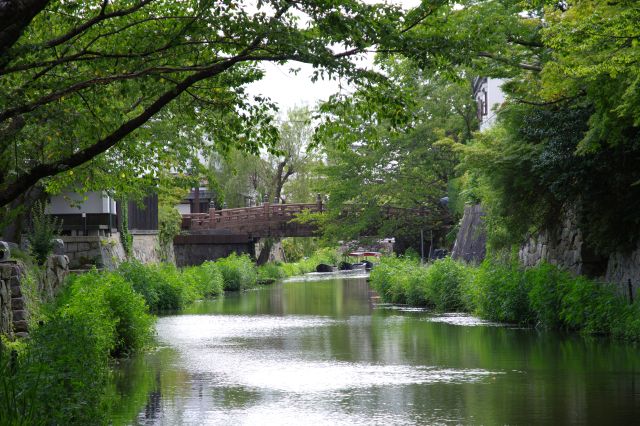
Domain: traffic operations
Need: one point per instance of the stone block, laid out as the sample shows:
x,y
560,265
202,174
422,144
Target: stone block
x,y
16,291
58,247
71,247
5,252
16,271
20,326
84,246
20,315
22,335
17,303
5,271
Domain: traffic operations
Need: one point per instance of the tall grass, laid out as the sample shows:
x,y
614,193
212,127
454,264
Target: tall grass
x,y
165,287
238,272
61,374
544,296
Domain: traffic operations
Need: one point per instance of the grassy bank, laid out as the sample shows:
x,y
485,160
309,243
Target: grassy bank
x,y
282,270
544,296
61,374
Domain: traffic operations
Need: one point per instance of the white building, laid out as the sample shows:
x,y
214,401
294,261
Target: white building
x,y
91,213
489,97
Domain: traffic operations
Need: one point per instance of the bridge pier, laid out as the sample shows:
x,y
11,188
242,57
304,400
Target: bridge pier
x,y
194,249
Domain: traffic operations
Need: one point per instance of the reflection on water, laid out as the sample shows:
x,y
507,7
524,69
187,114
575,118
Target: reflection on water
x,y
320,353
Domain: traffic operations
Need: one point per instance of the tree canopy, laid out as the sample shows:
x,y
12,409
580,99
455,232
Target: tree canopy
x,y
102,89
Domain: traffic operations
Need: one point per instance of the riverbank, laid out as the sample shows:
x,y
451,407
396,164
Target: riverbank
x,y
543,296
61,374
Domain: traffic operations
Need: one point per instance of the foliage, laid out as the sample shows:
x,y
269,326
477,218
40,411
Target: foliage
x,y
238,272
109,305
270,271
326,255
61,373
107,94
123,229
527,173
295,248
206,280
500,293
284,173
43,230
445,281
595,54
397,153
544,296
169,218
165,287
389,278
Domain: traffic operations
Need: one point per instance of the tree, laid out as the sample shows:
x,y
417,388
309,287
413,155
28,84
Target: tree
x,y
398,154
102,89
283,173
294,156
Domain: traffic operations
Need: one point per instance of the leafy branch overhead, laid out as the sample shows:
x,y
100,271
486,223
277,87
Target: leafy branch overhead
x,y
101,89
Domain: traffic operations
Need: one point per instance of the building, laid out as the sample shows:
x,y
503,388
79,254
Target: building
x,y
91,213
489,96
96,213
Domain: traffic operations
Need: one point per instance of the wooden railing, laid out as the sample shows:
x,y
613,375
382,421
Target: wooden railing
x,y
271,219
247,219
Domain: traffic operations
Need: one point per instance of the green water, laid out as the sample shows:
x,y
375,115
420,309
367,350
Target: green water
x,y
321,353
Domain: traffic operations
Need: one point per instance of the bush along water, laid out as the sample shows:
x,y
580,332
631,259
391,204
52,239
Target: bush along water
x,y
165,287
544,296
61,374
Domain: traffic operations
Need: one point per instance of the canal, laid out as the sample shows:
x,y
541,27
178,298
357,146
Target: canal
x,y
319,352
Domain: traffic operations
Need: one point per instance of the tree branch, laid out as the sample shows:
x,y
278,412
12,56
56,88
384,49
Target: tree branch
x,y
524,66
15,15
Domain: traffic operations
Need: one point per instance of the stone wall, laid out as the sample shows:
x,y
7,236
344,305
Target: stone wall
x,y
565,247
13,316
108,252
562,247
84,251
623,268
471,241
146,246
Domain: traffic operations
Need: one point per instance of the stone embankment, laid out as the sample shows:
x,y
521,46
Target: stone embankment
x,y
564,246
14,314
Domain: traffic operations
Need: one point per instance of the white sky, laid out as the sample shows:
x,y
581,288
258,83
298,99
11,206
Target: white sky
x,y
288,90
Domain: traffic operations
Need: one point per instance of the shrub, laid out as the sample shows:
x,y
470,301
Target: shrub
x,y
591,307
500,293
43,230
61,376
238,272
206,280
546,284
444,280
391,278
157,285
108,305
271,271
416,287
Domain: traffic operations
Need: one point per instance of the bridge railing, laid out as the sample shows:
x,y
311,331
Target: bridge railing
x,y
243,217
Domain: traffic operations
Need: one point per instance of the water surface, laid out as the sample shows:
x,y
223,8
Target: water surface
x,y
320,352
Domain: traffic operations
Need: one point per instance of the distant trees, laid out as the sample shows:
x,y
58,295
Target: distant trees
x,y
283,173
